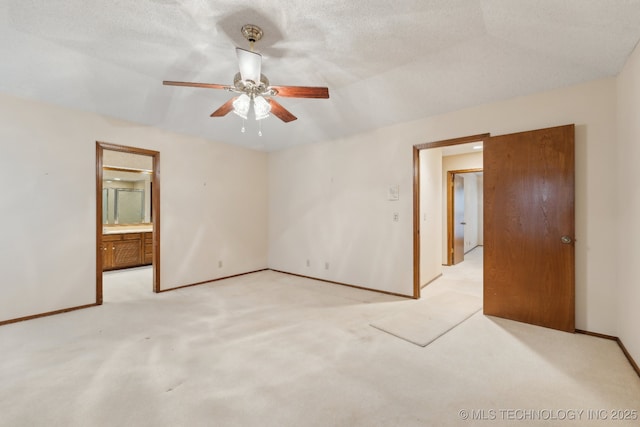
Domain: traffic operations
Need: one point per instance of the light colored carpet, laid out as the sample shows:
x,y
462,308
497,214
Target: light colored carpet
x,y
430,318
268,349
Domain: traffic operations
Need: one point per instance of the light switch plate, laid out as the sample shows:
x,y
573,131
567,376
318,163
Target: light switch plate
x,y
393,193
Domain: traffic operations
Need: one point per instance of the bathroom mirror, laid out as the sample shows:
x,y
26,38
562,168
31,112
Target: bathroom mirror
x,y
126,196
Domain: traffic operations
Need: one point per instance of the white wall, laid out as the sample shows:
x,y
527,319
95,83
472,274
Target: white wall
x,y
430,218
213,205
627,224
327,200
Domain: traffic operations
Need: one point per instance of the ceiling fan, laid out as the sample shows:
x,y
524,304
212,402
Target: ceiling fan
x,y
253,87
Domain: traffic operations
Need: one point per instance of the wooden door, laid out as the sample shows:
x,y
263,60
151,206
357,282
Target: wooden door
x,y
529,227
458,219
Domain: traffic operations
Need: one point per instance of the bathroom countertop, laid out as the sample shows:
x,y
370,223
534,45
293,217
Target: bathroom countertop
x,y
119,229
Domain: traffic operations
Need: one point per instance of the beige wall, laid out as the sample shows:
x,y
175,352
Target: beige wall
x,y
327,200
213,205
626,223
430,214
328,204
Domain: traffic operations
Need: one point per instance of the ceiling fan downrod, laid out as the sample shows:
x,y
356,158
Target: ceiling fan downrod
x,y
252,33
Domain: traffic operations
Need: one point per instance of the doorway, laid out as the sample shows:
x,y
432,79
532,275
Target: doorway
x,y
430,178
464,212
127,212
528,225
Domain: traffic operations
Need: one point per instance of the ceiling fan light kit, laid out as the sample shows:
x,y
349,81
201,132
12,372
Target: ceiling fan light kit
x,y
241,106
253,87
261,108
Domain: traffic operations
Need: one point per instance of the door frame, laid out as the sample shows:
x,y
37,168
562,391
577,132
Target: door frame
x,y
416,195
155,208
450,213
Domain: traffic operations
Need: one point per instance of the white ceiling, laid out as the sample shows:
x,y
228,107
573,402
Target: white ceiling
x,y
384,61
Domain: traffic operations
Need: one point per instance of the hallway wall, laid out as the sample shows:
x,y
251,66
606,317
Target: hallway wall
x,y
628,206
430,214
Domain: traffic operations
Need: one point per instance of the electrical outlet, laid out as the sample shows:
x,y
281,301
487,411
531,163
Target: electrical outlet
x,y
396,217
220,264
326,265
308,263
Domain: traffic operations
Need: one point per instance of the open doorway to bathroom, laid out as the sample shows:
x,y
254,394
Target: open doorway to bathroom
x,y
127,216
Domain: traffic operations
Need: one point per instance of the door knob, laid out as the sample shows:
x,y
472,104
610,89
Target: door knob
x,y
566,240
463,223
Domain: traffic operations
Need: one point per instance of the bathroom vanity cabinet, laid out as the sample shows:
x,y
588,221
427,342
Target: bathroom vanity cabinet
x,y
124,250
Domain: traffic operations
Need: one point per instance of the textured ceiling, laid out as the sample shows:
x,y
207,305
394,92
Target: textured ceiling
x,y
384,61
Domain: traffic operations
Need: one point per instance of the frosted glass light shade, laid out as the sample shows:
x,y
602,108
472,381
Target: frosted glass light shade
x,y
249,64
261,107
241,105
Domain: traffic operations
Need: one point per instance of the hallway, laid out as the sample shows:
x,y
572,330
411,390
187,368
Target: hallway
x,y
465,277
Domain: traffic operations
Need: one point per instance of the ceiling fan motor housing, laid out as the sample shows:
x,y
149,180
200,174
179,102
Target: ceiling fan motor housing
x,y
251,32
252,89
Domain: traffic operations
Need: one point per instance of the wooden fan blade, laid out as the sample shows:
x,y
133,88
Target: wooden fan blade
x,y
190,84
302,91
225,109
280,112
